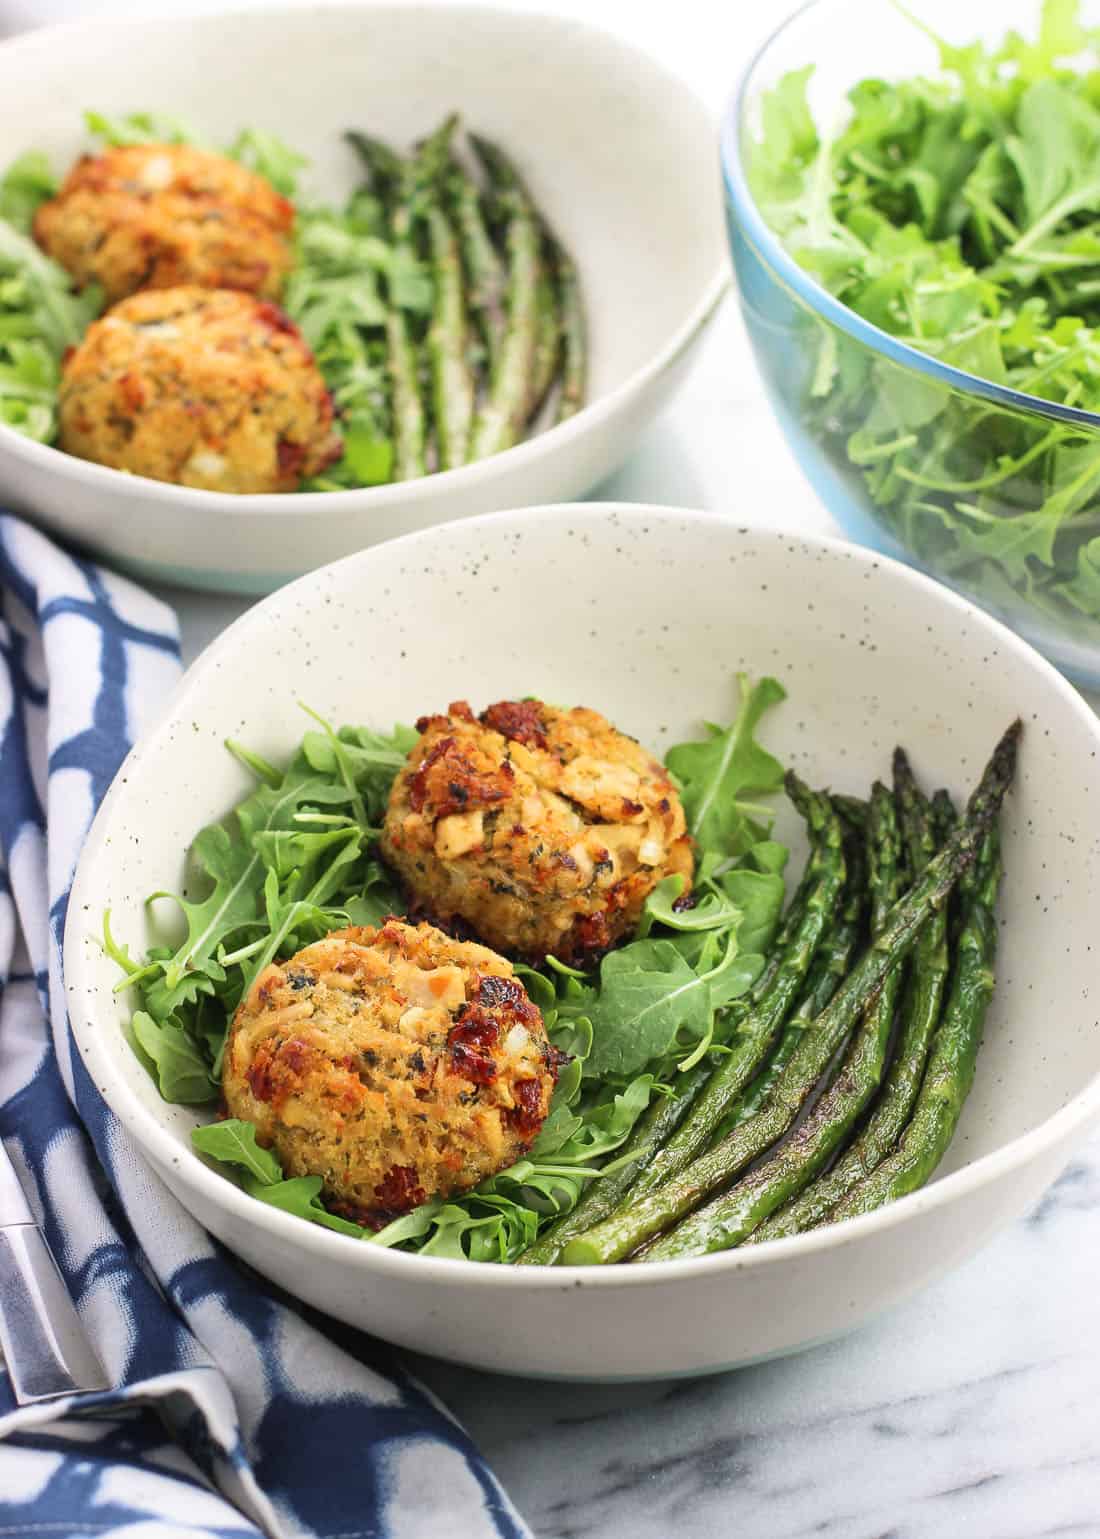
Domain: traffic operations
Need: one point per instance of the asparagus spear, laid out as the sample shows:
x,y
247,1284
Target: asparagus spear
x,y
391,178
764,1018
944,816
729,1218
602,1196
502,417
852,809
547,341
574,339
484,268
830,966
920,1012
950,1071
622,1233
447,343
385,167
662,1119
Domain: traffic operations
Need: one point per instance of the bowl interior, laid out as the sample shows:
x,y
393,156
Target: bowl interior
x,y
617,153
646,614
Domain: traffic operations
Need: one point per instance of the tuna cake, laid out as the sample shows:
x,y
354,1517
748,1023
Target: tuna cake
x,y
395,1063
203,387
540,830
160,215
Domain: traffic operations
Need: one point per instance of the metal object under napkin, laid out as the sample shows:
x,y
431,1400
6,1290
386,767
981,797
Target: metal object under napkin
x,y
45,1348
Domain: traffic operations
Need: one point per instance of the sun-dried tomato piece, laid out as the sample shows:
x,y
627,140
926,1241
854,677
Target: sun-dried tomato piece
x,y
507,994
400,1189
447,780
526,1115
520,720
290,457
591,933
474,1031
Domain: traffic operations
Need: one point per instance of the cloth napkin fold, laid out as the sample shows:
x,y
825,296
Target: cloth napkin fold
x,y
235,1411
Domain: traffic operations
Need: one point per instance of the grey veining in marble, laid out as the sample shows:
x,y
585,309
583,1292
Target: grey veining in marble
x,y
971,1412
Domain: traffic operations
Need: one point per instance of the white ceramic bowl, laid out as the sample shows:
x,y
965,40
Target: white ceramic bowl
x,y
620,154
645,613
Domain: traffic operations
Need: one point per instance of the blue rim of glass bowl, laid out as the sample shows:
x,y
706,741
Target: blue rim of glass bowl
x,y
770,249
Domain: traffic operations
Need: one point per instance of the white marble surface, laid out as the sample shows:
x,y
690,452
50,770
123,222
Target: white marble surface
x,y
972,1412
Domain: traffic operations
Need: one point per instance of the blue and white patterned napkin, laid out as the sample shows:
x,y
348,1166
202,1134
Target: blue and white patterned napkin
x,y
235,1411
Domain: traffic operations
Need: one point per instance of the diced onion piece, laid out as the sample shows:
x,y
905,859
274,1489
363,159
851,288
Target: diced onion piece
x,y
517,1039
458,834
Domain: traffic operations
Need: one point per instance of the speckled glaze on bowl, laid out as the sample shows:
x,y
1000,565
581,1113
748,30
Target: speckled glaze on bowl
x,y
627,175
645,613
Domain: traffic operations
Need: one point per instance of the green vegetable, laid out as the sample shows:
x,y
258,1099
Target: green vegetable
x,y
27,182
831,963
485,271
502,416
139,128
757,1027
961,214
392,178
602,1197
547,349
721,777
178,1065
233,1143
919,1016
287,868
40,317
574,376
448,336
624,1231
728,1219
950,1071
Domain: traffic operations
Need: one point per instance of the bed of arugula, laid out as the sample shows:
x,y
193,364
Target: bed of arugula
x,y
961,214
333,294
297,859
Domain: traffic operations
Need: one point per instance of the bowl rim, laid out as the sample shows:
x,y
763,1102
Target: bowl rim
x,y
394,493
156,1144
770,248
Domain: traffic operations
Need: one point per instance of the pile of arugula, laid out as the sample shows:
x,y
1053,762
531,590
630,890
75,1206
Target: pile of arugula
x,y
341,256
961,214
297,860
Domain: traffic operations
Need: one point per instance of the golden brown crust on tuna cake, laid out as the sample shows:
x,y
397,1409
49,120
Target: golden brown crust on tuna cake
x,y
157,216
542,830
202,387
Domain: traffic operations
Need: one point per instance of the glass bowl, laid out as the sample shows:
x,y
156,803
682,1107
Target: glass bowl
x,y
992,531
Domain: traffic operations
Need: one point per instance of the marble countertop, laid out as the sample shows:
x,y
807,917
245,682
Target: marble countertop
x,y
971,1412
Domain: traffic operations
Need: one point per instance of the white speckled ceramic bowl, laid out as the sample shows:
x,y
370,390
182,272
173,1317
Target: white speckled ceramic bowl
x,y
645,613
620,155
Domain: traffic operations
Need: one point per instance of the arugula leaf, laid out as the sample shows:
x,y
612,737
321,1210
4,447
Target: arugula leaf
x,y
301,1195
721,777
758,898
233,1142
27,182
270,158
181,1071
120,129
648,995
